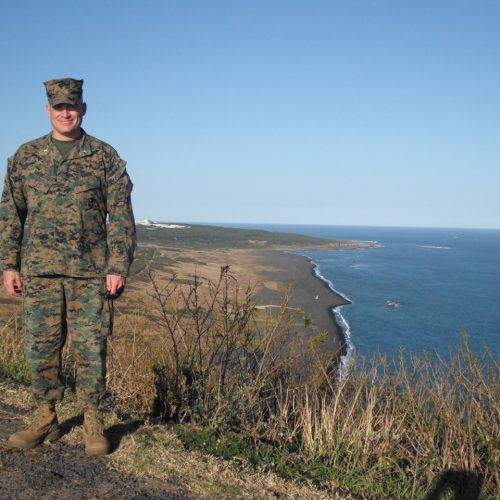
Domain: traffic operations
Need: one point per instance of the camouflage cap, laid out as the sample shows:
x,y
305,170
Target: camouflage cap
x,y
64,91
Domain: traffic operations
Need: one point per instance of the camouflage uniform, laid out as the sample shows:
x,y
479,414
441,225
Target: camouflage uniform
x,y
46,324
80,228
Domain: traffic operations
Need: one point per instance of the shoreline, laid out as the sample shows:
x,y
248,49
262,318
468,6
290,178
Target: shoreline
x,y
341,324
311,292
271,272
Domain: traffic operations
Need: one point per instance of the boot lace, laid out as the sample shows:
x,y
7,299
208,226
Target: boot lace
x,y
93,423
42,417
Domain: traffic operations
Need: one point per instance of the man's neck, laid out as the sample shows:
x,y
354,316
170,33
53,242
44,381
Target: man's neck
x,y
70,137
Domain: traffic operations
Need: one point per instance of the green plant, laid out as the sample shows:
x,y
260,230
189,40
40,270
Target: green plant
x,y
12,358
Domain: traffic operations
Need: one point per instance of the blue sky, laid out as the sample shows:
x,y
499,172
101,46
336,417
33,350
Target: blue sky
x,y
316,112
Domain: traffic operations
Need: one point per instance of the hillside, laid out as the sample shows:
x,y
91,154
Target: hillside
x,y
206,237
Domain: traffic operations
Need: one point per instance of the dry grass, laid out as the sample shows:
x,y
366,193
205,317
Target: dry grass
x,y
202,352
155,450
194,352
12,361
390,428
133,352
409,424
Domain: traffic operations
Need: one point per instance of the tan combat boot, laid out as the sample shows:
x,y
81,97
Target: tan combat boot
x,y
93,430
44,427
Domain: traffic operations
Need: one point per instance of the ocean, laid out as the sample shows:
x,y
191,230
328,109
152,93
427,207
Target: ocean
x,y
418,290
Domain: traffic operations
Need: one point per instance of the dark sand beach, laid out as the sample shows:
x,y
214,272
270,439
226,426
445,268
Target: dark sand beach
x,y
309,293
262,260
256,258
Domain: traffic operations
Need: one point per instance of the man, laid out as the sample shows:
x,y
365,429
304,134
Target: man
x,y
73,191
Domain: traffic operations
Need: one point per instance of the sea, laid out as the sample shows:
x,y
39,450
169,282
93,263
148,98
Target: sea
x,y
417,290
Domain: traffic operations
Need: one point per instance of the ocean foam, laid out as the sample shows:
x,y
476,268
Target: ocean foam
x,y
345,360
435,247
340,320
359,266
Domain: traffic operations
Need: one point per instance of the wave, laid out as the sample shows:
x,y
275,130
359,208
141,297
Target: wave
x,y
345,359
434,247
373,242
340,320
359,266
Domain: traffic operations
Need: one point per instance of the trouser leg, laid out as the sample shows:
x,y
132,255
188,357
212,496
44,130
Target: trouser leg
x,y
88,323
43,317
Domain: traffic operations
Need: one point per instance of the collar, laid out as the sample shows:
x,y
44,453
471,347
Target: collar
x,y
82,149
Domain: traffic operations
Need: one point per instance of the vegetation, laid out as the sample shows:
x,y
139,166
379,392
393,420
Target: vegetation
x,y
12,361
252,389
197,236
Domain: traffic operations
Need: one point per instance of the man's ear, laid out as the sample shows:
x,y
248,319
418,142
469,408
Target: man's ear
x,y
84,108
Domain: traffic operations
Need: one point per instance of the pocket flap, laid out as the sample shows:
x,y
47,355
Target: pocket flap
x,y
38,185
89,186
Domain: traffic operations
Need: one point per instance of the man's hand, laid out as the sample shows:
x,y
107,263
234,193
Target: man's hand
x,y
13,283
114,285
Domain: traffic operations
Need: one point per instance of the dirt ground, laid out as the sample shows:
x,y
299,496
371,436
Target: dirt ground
x,y
61,471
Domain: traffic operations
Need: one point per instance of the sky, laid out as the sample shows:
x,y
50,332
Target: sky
x,y
354,112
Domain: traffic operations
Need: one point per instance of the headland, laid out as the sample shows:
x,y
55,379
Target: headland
x,y
267,261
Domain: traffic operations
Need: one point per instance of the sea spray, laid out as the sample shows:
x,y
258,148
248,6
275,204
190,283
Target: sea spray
x,y
338,319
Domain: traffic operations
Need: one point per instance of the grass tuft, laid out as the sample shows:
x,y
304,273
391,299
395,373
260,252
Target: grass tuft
x,y
12,359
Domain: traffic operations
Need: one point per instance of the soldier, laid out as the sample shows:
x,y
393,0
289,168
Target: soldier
x,y
71,193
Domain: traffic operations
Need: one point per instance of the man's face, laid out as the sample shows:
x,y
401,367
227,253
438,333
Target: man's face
x,y
66,120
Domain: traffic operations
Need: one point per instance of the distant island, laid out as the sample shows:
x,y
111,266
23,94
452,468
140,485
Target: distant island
x,y
197,236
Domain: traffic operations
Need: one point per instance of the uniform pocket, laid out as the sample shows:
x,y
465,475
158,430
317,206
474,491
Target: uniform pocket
x,y
36,191
88,186
89,196
37,185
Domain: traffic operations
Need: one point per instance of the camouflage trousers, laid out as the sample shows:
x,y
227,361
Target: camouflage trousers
x,y
55,307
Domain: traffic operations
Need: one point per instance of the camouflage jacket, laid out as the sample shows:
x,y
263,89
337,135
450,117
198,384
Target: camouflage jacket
x,y
78,210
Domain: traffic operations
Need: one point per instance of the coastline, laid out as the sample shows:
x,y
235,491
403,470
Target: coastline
x,y
271,272
310,291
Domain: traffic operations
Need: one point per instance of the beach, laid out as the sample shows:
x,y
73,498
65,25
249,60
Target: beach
x,y
308,292
271,272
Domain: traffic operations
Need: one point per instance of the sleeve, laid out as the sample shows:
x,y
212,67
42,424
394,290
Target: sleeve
x,y
121,224
13,211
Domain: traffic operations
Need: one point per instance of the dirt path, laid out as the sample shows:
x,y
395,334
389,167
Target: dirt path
x,y
61,471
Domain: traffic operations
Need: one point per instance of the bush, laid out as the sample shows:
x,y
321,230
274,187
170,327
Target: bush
x,y
216,360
